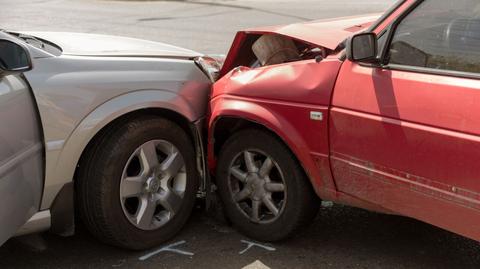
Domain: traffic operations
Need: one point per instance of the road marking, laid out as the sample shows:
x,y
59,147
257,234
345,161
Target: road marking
x,y
327,203
168,248
252,244
256,265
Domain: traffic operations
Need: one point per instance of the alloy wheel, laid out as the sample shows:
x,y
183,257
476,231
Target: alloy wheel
x,y
257,186
153,184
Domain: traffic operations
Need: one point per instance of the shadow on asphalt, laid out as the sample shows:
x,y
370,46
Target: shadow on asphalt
x,y
340,237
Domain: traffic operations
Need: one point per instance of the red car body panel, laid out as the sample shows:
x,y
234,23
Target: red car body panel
x,y
424,126
392,141
242,93
326,33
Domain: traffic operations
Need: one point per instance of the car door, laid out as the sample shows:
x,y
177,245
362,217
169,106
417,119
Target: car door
x,y
406,135
21,146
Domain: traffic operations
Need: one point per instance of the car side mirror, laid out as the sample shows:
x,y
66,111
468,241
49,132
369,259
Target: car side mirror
x,y
363,48
14,58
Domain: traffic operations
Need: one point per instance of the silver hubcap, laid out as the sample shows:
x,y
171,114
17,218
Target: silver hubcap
x,y
257,186
153,184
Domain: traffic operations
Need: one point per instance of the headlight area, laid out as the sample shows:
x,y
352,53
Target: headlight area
x,y
211,65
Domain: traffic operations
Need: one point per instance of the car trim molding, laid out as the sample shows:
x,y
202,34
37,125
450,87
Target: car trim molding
x,y
415,183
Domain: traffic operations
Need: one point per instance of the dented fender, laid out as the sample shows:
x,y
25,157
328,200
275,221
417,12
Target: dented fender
x,y
274,97
260,113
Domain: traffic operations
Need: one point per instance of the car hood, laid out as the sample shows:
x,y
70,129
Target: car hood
x,y
326,33
104,45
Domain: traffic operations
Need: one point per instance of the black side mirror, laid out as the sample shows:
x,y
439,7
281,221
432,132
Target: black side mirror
x,y
14,58
363,48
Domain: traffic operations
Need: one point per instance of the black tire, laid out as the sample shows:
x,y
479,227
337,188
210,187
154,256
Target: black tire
x,y
301,204
98,182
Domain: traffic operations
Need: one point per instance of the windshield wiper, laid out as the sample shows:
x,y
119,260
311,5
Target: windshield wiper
x,y
29,37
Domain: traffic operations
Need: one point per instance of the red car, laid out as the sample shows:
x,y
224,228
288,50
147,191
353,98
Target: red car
x,y
380,115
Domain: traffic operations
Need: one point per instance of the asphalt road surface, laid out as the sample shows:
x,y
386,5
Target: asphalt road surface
x,y
340,237
205,26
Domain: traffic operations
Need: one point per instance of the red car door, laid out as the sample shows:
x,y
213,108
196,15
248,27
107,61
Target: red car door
x,y
406,135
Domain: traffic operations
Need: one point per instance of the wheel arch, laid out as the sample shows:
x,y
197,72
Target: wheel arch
x,y
263,114
171,115
225,126
63,167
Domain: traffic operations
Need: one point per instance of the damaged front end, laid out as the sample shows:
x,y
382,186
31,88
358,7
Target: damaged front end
x,y
255,50
210,65
294,42
274,66
282,79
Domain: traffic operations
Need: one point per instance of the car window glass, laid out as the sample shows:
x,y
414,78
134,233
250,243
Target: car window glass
x,y
439,34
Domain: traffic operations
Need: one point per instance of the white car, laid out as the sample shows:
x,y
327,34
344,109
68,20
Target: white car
x,y
109,126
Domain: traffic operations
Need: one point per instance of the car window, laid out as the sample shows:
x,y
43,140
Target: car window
x,y
439,34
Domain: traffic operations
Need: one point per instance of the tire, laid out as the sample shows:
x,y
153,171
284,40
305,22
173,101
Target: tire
x,y
120,163
243,187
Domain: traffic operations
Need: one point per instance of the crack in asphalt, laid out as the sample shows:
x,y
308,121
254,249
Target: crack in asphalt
x,y
185,17
242,7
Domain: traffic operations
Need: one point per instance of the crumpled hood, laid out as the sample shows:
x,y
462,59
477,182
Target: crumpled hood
x,y
326,33
105,45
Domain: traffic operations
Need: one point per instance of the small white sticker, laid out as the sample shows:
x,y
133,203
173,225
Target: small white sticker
x,y
316,115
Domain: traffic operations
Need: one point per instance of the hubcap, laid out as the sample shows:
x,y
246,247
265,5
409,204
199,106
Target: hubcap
x,y
153,184
257,186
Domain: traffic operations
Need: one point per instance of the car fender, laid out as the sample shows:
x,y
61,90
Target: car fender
x,y
257,112
63,156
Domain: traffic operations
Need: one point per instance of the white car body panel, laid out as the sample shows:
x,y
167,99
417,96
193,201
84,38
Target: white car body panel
x,y
81,44
21,155
79,95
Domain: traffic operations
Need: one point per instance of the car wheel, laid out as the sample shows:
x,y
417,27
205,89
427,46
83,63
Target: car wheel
x,y
138,184
264,190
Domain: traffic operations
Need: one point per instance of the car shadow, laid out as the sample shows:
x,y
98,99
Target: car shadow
x,y
340,237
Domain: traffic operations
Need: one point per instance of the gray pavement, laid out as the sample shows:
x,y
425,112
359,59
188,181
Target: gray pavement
x,y
205,26
340,237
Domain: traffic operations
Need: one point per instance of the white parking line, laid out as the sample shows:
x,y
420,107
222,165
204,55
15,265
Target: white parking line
x,y
168,248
